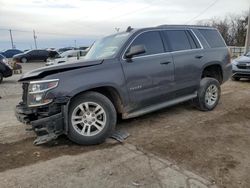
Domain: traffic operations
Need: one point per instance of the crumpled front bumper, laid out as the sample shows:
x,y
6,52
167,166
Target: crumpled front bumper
x,y
46,128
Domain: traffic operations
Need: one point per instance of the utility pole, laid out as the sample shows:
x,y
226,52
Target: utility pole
x,y
11,39
247,41
75,43
35,37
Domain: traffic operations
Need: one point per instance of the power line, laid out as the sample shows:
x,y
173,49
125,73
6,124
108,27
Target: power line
x,y
202,12
43,33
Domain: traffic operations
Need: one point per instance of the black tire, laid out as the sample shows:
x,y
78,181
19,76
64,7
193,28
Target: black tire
x,y
24,60
200,102
111,118
235,78
1,77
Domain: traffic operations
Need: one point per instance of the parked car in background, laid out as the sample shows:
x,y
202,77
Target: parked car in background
x,y
5,68
31,55
83,48
241,67
68,56
52,54
61,50
128,74
10,53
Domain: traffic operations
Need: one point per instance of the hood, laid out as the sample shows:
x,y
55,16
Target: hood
x,y
243,59
45,71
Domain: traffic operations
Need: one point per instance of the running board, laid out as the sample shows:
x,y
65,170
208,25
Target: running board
x,y
159,106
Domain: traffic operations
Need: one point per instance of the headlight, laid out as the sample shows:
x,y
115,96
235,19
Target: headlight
x,y
37,92
6,62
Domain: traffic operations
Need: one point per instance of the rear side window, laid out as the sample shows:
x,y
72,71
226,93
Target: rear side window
x,y
178,39
213,38
192,40
151,41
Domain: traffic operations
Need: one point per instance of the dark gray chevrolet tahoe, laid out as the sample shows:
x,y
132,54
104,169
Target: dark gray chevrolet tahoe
x,y
129,73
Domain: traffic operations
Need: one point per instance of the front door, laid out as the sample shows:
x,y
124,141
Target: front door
x,y
149,76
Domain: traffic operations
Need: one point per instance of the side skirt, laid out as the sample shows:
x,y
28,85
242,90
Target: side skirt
x,y
159,106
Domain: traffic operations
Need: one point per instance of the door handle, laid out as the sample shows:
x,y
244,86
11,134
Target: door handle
x,y
198,56
165,63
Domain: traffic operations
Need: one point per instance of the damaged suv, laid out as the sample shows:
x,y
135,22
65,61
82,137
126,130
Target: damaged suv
x,y
128,74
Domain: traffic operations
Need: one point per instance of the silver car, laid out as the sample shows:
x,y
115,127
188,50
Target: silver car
x,y
68,56
241,67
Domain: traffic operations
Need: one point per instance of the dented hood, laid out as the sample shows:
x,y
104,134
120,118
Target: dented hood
x,y
45,71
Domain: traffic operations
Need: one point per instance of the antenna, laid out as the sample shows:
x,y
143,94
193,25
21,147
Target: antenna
x,y
129,29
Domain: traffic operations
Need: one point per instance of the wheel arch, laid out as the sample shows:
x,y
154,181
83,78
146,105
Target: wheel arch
x,y
213,70
110,92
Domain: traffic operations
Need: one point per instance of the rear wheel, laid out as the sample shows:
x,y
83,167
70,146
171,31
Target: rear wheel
x,y
92,118
1,77
24,60
208,94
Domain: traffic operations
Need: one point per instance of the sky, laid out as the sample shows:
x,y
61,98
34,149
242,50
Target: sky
x,y
60,23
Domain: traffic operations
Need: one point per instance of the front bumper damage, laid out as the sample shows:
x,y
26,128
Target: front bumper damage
x,y
47,122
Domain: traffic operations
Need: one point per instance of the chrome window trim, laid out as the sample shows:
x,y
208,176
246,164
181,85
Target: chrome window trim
x,y
43,81
201,46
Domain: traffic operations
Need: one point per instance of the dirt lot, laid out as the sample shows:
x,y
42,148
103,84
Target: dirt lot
x,y
213,144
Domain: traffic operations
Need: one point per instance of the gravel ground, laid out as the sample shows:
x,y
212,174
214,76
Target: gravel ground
x,y
214,145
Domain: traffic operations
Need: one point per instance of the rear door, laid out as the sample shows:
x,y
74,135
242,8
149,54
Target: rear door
x,y
187,54
149,76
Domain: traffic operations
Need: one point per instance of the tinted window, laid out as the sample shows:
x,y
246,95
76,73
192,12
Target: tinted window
x,y
212,37
178,39
34,52
192,40
151,41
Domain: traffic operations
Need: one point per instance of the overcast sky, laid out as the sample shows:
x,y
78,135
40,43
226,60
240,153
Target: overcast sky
x,y
60,23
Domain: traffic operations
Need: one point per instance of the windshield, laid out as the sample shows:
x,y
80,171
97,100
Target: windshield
x,y
106,47
28,51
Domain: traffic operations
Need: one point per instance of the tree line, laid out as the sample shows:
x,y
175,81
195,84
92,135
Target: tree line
x,y
232,28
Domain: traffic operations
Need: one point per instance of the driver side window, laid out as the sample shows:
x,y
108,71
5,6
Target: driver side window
x,y
152,42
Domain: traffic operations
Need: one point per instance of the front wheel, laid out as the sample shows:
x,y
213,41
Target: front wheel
x,y
92,118
208,94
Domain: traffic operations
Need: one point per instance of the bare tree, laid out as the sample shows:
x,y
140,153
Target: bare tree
x,y
232,28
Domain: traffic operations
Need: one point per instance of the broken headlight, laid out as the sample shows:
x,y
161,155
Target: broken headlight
x,y
37,92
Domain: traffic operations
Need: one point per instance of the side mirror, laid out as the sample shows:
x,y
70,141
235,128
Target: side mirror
x,y
135,50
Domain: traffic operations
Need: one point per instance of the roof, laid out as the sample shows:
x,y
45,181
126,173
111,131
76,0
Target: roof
x,y
171,27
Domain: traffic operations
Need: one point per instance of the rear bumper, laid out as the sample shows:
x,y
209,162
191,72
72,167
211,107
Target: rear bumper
x,y
227,72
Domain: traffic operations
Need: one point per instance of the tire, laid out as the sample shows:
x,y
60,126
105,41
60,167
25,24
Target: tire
x,y
208,94
235,78
83,124
24,60
1,77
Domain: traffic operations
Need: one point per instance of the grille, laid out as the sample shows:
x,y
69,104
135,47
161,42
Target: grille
x,y
25,92
243,66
